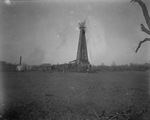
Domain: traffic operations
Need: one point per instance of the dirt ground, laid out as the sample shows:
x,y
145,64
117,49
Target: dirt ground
x,y
73,96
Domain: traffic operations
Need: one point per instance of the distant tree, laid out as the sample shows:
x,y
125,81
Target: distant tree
x,y
102,64
113,64
147,18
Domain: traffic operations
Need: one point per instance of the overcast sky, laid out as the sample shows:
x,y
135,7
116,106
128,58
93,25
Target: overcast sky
x,y
46,31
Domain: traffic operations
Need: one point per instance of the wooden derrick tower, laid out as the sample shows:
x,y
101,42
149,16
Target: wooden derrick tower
x,y
82,56
81,63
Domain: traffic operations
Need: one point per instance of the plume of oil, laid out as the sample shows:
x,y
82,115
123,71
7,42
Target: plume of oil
x,y
96,42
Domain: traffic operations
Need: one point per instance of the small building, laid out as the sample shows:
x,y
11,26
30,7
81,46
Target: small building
x,y
45,67
2,65
21,68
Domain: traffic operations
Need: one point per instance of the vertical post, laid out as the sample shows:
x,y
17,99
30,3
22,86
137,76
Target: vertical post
x,y
20,60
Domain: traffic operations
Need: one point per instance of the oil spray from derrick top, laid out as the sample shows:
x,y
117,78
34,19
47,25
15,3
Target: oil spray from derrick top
x,y
96,42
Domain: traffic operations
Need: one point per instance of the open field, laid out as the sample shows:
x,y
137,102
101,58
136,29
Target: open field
x,y
73,96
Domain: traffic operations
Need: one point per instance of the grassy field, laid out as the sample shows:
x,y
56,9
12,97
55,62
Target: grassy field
x,y
73,96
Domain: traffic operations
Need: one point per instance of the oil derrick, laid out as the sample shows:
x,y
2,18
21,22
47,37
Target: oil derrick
x,y
81,63
82,55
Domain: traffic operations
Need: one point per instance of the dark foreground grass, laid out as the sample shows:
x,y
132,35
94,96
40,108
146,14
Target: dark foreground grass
x,y
73,96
